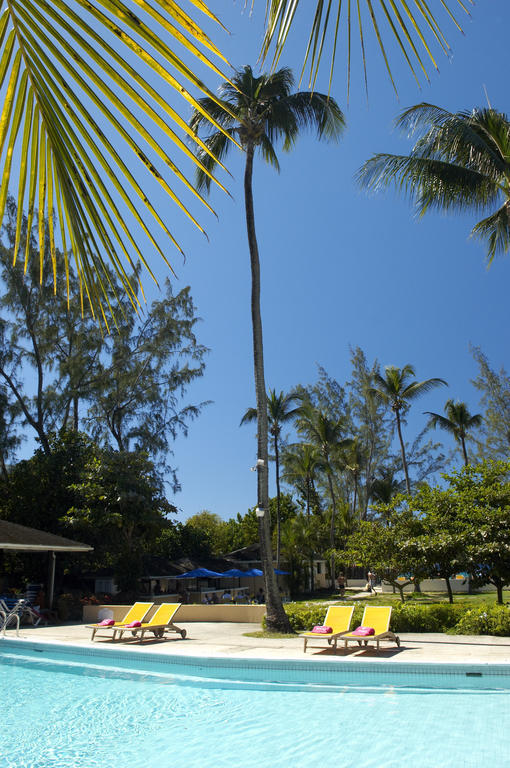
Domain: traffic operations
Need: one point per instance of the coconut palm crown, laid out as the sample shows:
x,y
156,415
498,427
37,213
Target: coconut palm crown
x,y
398,388
260,111
460,162
458,421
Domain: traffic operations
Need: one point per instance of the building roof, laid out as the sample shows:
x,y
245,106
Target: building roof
x,y
251,553
19,537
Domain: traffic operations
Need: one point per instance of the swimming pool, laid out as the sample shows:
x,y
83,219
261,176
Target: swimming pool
x,y
65,707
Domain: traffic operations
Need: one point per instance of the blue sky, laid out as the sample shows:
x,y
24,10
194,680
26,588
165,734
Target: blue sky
x,y
340,267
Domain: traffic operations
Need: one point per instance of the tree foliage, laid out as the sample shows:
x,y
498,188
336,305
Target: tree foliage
x,y
126,389
463,526
494,388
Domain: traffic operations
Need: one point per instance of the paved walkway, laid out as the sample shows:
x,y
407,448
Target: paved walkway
x,y
229,640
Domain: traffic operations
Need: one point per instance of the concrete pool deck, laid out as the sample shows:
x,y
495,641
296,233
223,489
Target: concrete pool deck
x,y
228,640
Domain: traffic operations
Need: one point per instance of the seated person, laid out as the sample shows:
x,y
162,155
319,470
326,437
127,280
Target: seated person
x,y
226,596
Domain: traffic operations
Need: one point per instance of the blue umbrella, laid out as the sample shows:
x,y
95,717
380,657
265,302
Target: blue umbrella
x,y
254,572
199,573
233,573
281,573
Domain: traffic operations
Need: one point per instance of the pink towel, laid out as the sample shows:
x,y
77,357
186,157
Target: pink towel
x,y
321,629
133,624
364,631
106,623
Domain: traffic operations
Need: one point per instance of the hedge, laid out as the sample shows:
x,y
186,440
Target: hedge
x,y
410,617
485,620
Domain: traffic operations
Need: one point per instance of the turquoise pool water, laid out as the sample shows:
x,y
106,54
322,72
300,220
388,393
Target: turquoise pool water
x,y
61,709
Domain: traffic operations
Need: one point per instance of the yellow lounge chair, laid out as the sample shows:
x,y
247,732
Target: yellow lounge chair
x,y
137,612
160,623
377,617
338,617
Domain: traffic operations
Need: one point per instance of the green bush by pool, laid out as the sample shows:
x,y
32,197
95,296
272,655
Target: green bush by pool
x,y
458,618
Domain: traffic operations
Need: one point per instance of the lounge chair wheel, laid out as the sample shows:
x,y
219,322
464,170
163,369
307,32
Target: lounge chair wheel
x,y
183,633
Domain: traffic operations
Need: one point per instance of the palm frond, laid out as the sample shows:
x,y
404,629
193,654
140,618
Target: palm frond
x,y
312,111
216,147
418,388
431,183
495,230
391,21
473,139
436,420
249,417
62,69
268,153
459,162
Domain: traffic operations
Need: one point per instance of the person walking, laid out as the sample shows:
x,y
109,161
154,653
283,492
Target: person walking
x,y
341,584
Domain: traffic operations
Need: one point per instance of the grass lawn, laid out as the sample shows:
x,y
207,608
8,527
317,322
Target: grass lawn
x,y
268,635
422,598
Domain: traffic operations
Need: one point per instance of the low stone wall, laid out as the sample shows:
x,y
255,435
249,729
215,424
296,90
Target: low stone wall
x,y
434,585
249,614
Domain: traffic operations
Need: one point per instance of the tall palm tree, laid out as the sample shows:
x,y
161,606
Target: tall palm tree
x,y
352,460
460,162
385,486
458,421
302,462
398,389
328,436
279,412
257,112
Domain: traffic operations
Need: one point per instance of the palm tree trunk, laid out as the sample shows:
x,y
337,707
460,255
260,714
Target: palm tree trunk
x,y
278,519
332,531
5,473
449,589
355,499
277,619
310,578
464,451
403,451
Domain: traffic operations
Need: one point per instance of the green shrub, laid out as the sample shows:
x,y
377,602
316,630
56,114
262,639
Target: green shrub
x,y
456,618
485,620
407,617
439,617
304,616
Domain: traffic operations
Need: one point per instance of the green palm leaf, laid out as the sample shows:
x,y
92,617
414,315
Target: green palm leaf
x,y
413,24
86,131
459,162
